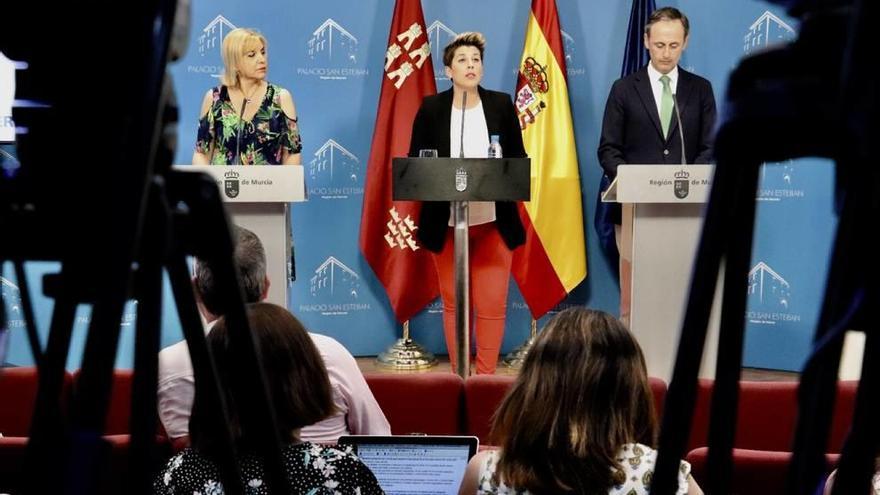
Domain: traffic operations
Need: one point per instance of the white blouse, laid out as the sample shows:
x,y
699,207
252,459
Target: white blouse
x,y
476,145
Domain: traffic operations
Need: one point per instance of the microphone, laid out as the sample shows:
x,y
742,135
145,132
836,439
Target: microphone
x,y
463,105
237,161
680,129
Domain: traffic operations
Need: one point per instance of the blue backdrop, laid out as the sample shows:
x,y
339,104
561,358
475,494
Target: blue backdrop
x,y
330,55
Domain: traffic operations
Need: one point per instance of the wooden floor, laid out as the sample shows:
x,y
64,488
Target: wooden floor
x,y
369,365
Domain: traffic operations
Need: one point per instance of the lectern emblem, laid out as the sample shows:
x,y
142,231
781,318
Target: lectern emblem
x,y
681,184
460,179
230,184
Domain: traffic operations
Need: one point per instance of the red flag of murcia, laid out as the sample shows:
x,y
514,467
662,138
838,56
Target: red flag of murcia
x,y
388,228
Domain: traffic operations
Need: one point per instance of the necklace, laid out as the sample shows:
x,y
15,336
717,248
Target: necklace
x,y
249,97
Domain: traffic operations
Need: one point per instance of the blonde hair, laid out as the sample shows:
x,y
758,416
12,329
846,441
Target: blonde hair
x,y
470,38
238,42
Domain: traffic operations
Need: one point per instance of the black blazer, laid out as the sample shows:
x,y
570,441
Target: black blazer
x,y
631,131
431,132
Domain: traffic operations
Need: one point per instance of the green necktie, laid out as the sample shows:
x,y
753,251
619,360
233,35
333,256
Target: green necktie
x,y
665,105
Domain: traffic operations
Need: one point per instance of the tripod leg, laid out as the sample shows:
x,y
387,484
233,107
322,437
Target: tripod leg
x,y
816,393
143,458
3,320
682,390
208,235
143,455
28,308
89,450
205,374
49,435
725,392
850,292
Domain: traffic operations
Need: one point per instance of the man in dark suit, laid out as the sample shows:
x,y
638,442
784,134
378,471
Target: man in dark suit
x,y
640,125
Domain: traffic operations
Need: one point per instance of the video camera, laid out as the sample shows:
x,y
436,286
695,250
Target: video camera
x,y
93,188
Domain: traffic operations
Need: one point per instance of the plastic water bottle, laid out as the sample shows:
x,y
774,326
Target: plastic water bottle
x,y
495,146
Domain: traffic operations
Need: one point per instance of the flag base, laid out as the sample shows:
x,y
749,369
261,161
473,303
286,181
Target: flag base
x,y
405,354
515,359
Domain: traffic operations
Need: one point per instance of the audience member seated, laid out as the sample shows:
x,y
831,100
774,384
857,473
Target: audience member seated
x,y
357,411
578,419
483,395
300,388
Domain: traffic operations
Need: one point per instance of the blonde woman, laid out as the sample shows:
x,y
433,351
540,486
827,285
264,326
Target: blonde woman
x,y
247,120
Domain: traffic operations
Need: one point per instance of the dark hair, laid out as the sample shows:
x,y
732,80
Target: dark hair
x,y
296,377
250,264
668,14
470,38
582,393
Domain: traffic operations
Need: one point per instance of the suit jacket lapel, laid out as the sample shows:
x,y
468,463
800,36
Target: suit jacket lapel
x,y
643,88
682,95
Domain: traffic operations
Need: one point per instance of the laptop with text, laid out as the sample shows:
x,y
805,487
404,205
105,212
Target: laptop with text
x,y
415,464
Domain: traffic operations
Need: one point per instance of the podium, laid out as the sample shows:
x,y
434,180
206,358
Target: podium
x,y
258,198
460,180
662,208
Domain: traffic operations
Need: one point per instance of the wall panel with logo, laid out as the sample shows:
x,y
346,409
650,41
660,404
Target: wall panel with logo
x,y
330,55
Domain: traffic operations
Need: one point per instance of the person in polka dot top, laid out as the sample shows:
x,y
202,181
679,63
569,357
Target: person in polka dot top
x,y
298,383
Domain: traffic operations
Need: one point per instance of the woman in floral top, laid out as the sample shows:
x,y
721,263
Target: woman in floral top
x,y
247,120
579,418
298,383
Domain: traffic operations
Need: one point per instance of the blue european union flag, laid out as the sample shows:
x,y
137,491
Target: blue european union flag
x,y
634,58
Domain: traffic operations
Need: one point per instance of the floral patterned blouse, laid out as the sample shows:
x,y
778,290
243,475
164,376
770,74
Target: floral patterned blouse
x,y
263,138
311,469
638,465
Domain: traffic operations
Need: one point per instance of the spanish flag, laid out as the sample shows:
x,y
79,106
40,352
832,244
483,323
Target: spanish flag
x,y
553,260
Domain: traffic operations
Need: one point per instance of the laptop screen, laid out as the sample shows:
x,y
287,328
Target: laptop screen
x,y
415,465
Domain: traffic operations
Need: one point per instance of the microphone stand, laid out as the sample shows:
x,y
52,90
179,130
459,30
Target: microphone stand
x,y
680,128
462,271
461,140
